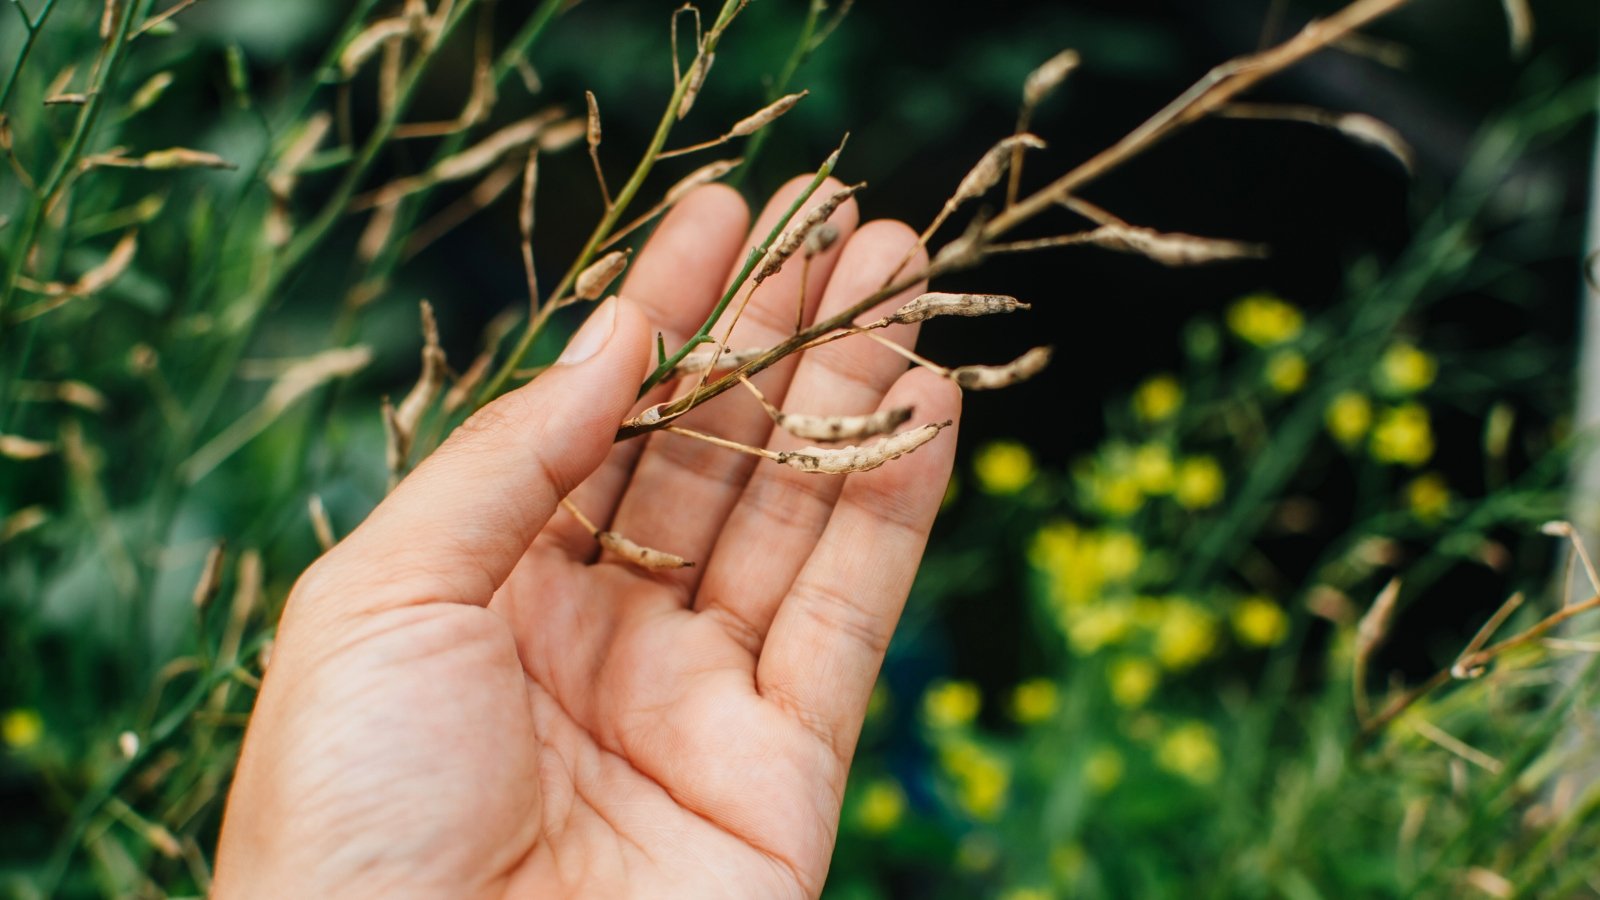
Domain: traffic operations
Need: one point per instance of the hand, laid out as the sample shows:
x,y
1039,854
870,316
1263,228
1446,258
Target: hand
x,y
467,699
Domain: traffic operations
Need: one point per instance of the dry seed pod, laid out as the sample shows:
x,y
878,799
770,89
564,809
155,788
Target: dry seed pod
x,y
698,360
843,428
183,158
485,153
562,135
1171,249
23,449
593,281
986,174
644,557
21,522
989,378
765,116
698,70
844,460
797,233
820,239
935,304
1043,81
704,175
210,582
369,41
128,744
592,124
409,414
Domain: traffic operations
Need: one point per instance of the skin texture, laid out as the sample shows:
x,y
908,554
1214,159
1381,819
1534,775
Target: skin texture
x,y
468,699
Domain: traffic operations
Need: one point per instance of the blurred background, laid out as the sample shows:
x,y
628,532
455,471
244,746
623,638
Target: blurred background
x,y
1130,665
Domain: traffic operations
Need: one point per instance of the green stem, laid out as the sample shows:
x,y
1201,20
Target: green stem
x,y
803,48
647,162
33,28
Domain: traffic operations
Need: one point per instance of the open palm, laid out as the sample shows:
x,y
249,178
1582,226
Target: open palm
x,y
469,699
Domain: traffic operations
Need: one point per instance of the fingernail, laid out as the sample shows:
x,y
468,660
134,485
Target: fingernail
x,y
592,336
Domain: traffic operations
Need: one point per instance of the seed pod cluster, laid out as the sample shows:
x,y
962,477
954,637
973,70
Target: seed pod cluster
x,y
989,378
934,304
793,238
844,460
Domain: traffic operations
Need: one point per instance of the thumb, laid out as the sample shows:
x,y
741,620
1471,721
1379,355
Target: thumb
x,y
454,529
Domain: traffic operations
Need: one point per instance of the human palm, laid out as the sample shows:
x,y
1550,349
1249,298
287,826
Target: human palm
x,y
469,699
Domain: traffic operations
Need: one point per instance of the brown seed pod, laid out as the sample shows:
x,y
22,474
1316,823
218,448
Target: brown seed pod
x,y
765,116
371,39
699,359
592,124
183,158
698,70
643,557
488,151
986,174
1171,248
844,460
989,378
1043,81
843,428
797,233
934,304
593,281
704,175
820,239
562,135
409,414
23,449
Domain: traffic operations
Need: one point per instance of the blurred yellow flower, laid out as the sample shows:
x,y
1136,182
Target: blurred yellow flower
x,y
1118,554
1405,369
951,704
1003,467
1259,622
1348,417
1190,750
1035,700
1158,398
1103,770
882,806
1403,435
1132,679
1429,497
1200,483
1026,893
1187,634
1117,495
1153,468
21,728
1100,625
981,778
1264,320
1286,371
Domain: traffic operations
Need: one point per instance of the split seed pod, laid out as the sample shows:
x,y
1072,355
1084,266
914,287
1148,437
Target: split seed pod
x,y
935,304
820,239
845,460
989,378
593,281
644,557
797,233
986,174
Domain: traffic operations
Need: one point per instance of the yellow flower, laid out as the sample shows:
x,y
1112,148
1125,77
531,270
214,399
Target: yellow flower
x,y
1158,398
1258,622
1119,554
1405,369
882,806
1190,750
1117,495
21,728
1348,417
981,778
951,704
1200,483
1264,320
1132,679
1429,497
1103,770
1187,634
1153,469
1100,625
1003,467
1035,700
1286,371
1403,435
